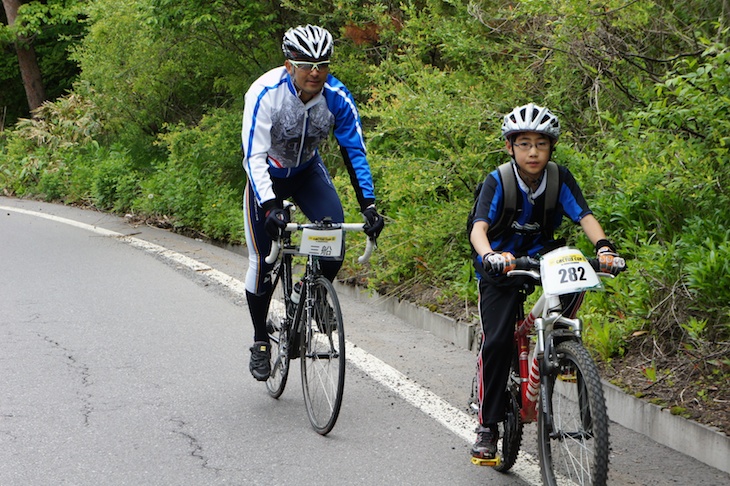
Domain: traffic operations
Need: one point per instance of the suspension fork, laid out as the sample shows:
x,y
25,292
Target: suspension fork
x,y
529,380
547,367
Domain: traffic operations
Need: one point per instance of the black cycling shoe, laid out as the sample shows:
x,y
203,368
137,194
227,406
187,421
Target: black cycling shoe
x,y
486,445
260,364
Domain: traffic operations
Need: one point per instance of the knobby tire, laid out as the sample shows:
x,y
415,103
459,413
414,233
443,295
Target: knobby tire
x,y
511,428
577,448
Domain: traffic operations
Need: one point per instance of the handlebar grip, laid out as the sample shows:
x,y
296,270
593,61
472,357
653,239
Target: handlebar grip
x,y
520,263
369,247
274,253
276,245
527,263
597,266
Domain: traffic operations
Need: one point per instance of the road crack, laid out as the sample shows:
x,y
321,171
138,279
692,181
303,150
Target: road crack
x,y
82,371
196,448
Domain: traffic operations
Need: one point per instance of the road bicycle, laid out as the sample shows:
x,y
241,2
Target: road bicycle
x,y
560,387
305,319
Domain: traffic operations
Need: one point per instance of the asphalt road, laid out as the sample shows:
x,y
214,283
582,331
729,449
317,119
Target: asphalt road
x,y
124,361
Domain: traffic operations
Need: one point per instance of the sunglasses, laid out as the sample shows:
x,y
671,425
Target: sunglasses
x,y
308,66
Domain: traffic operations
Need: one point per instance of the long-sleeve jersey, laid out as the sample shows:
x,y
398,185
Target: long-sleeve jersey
x,y
281,134
525,237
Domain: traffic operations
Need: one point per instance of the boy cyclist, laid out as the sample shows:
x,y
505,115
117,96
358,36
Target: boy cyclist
x,y
530,133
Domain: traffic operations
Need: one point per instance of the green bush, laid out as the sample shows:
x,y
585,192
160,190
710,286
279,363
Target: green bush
x,y
36,153
670,201
199,186
114,184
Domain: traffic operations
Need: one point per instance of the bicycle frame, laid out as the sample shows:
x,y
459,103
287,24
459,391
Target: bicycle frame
x,y
288,250
313,329
306,300
545,316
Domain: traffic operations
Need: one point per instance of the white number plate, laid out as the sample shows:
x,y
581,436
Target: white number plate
x,y
324,243
566,270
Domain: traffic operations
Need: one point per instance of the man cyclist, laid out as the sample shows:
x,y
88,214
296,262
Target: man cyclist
x,y
288,112
530,133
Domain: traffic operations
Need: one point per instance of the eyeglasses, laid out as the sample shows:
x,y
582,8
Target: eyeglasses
x,y
525,146
308,66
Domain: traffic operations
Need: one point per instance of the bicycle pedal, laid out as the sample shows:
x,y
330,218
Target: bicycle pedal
x,y
568,377
482,461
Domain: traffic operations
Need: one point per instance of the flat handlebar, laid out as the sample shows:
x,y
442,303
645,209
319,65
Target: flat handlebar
x,y
291,227
531,266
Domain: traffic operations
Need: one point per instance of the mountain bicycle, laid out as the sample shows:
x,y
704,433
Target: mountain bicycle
x,y
560,386
305,319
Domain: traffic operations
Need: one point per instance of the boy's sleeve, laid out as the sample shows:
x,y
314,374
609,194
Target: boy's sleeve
x,y
490,200
571,198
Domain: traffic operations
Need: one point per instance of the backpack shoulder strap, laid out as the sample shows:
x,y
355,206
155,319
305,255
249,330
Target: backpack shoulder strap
x,y
551,195
509,187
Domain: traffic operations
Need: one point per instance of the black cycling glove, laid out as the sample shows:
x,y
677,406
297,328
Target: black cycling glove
x,y
374,222
276,219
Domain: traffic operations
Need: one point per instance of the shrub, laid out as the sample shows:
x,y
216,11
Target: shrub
x,y
200,184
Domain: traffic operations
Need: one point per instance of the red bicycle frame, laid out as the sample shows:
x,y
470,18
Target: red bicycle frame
x,y
530,368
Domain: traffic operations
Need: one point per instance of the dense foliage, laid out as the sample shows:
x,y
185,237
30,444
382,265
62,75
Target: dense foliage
x,y
151,127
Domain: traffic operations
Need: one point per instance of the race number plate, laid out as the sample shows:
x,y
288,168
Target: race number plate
x,y
566,270
324,243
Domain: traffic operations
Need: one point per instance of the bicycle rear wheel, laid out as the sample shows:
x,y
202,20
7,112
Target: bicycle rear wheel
x,y
278,330
511,428
575,447
323,357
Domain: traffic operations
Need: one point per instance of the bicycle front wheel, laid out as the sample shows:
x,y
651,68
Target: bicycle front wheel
x,y
278,330
323,357
573,440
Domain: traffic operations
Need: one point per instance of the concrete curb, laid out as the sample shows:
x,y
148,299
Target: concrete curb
x,y
703,443
460,333
698,441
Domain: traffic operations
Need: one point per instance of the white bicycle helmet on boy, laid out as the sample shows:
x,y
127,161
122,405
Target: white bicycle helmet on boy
x,y
531,118
308,42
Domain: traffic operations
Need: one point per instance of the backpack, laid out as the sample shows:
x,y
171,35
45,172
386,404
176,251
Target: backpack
x,y
509,184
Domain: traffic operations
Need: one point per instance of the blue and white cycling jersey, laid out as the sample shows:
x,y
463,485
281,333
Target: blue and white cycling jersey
x,y
281,134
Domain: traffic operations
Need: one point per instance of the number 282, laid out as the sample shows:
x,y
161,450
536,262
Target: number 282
x,y
572,274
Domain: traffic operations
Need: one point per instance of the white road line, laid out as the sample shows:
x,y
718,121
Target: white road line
x,y
458,422
455,420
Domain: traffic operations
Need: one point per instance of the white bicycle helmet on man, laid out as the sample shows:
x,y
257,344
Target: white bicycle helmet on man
x,y
308,42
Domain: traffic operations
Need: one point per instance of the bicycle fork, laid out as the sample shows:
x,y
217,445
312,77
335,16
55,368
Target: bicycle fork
x,y
549,363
